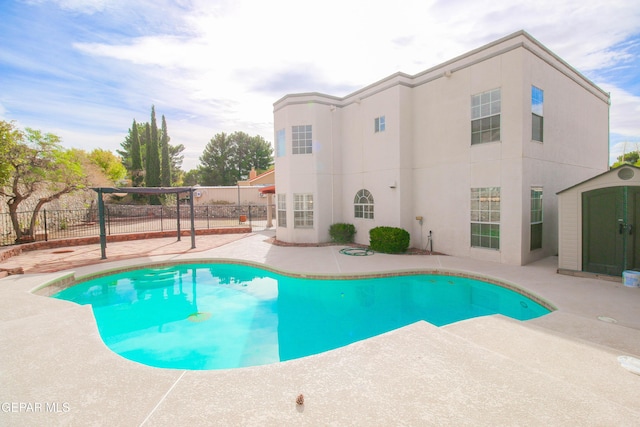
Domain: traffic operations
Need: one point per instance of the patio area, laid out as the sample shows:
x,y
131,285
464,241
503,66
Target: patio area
x,y
559,369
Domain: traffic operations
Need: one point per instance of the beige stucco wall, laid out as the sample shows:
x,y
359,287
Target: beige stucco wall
x,y
423,163
228,195
570,214
264,179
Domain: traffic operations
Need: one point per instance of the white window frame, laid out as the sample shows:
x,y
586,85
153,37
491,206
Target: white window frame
x,y
379,124
485,217
282,210
281,143
537,195
302,139
537,114
486,108
363,204
303,210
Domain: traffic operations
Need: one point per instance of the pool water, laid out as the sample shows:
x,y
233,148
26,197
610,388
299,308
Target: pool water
x,y
217,316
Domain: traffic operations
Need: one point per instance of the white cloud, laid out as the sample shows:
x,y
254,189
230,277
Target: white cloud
x,y
219,66
624,112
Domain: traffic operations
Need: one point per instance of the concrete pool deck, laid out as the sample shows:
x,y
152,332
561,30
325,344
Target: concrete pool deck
x,y
560,369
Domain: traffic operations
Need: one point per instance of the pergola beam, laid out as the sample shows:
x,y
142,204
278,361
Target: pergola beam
x,y
143,190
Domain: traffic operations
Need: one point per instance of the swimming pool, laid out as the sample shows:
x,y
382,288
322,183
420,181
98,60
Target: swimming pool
x,y
219,316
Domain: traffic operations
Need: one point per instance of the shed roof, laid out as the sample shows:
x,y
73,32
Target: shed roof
x,y
601,175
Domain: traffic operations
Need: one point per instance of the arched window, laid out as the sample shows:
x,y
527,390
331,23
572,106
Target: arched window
x,y
363,204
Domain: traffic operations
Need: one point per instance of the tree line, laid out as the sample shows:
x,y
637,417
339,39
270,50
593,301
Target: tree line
x,y
148,157
227,158
35,167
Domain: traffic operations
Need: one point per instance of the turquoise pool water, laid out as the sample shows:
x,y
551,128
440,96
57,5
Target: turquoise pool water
x,y
217,316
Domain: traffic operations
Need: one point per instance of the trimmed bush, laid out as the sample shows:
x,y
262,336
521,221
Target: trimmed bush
x,y
342,233
389,240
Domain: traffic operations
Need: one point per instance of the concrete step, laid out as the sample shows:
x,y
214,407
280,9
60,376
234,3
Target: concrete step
x,y
544,352
616,336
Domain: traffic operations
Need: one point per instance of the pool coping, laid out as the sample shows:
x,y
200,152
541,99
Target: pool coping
x,y
61,283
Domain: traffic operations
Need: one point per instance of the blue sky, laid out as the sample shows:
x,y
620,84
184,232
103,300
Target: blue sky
x,y
84,69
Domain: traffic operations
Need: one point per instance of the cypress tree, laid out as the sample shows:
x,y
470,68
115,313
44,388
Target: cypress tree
x,y
136,159
166,160
153,156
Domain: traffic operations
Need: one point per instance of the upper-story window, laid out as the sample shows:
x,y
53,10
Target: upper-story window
x,y
363,204
379,124
280,143
301,139
485,117
537,118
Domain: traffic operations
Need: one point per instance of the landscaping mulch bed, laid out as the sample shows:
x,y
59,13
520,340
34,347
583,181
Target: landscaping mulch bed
x,y
410,251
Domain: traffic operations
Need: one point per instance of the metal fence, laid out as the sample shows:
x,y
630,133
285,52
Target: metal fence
x,y
129,219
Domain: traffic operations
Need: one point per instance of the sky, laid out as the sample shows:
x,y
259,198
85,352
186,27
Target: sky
x,y
84,69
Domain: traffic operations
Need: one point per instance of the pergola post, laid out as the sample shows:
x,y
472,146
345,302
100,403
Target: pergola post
x,y
144,190
178,214
269,212
193,222
103,231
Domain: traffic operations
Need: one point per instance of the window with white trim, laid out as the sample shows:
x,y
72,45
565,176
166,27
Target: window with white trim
x,y
282,210
303,210
363,204
485,217
537,118
379,124
536,218
280,143
485,117
301,139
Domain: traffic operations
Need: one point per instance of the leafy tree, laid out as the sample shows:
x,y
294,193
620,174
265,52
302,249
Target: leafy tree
x,y
165,178
176,156
9,137
110,165
216,167
228,158
260,154
191,177
37,163
631,158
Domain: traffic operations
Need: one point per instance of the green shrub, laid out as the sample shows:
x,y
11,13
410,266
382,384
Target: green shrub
x,y
390,240
342,233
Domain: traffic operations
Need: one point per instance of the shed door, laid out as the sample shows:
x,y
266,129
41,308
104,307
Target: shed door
x,y
609,235
632,232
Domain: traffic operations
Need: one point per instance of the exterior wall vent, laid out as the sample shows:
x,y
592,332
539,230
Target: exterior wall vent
x,y
625,173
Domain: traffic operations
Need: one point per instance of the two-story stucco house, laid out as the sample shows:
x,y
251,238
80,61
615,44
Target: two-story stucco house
x,y
470,153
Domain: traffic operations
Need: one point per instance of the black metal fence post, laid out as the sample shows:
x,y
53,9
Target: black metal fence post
x,y
46,236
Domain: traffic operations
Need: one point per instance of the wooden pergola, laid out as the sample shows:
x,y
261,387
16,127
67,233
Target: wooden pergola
x,y
144,190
